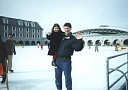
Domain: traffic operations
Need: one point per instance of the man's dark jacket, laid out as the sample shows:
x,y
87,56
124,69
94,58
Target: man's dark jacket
x,y
68,45
3,55
3,52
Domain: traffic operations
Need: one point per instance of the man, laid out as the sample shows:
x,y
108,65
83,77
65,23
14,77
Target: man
x,y
68,45
11,49
3,58
96,47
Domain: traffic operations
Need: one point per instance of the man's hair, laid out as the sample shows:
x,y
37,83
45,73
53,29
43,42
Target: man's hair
x,y
68,25
10,34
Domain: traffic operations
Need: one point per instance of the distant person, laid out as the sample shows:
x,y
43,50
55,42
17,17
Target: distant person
x,y
96,47
55,37
23,45
69,43
89,45
117,46
3,58
11,50
41,46
38,45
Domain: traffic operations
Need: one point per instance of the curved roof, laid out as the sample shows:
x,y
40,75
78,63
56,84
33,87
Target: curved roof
x,y
105,30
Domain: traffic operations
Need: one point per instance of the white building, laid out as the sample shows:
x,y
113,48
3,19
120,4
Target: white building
x,y
105,35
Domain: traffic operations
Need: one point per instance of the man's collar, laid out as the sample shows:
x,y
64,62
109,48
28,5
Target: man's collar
x,y
68,34
68,37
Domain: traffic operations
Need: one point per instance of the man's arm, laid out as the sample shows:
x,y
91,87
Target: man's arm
x,y
14,50
80,42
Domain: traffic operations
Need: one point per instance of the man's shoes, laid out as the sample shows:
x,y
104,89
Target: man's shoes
x,y
11,71
54,64
3,79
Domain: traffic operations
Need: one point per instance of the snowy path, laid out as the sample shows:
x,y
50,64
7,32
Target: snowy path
x,y
33,70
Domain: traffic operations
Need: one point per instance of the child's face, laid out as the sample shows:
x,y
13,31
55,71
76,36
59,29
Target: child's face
x,y
56,29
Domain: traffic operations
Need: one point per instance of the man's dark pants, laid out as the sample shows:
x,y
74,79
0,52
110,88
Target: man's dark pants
x,y
63,66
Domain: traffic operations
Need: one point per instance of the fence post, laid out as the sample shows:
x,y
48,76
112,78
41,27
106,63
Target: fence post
x,y
107,73
127,73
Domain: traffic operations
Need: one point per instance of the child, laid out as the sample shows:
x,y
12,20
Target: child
x,y
55,37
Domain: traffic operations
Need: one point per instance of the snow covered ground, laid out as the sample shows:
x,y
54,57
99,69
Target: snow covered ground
x,y
33,70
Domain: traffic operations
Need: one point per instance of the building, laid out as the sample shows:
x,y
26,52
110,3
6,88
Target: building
x,y
105,36
24,32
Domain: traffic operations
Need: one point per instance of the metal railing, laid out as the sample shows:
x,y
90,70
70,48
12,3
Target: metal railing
x,y
110,70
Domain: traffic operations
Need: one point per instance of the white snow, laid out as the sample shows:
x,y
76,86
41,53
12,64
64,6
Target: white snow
x,y
33,70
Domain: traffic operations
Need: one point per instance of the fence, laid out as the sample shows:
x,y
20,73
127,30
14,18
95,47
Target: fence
x,y
111,70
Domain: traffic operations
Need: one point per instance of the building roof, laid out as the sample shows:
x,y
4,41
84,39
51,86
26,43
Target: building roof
x,y
14,22
105,30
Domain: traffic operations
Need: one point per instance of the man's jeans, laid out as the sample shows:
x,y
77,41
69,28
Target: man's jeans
x,y
66,67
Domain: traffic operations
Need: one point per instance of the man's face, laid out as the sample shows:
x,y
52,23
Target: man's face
x,y
10,37
67,30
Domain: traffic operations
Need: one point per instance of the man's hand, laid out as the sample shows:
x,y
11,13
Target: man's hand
x,y
78,35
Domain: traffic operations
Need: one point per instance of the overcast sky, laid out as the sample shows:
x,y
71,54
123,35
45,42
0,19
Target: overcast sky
x,y
82,14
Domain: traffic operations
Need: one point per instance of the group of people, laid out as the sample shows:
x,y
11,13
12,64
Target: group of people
x,y
62,46
40,46
7,49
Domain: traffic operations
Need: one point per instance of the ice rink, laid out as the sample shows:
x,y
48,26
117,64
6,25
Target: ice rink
x,y
33,70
